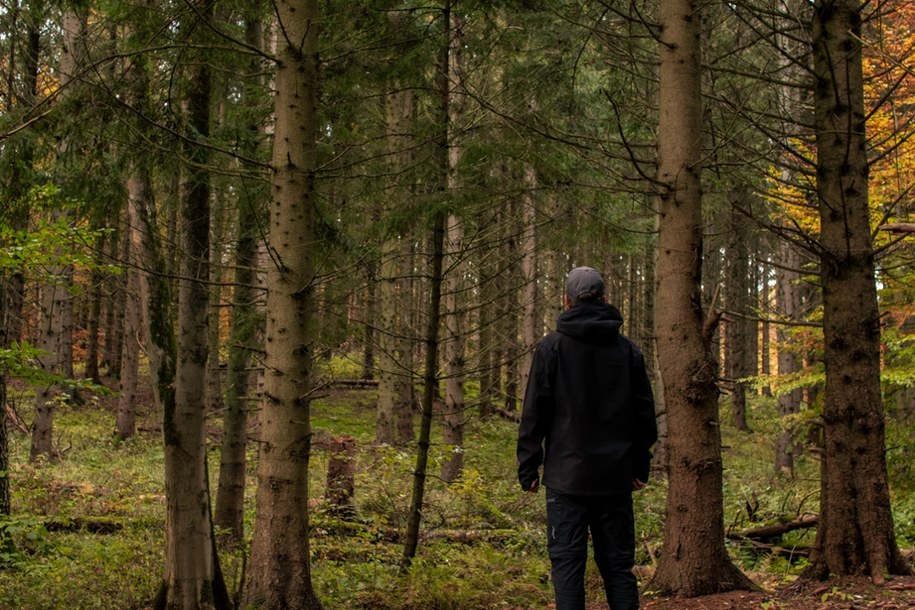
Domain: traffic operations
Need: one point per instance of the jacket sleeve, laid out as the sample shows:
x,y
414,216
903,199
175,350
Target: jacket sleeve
x,y
536,414
645,426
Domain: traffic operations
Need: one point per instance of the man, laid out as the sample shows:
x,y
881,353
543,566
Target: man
x,y
588,419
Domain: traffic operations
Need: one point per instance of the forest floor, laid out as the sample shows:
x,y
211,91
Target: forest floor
x,y
852,593
839,594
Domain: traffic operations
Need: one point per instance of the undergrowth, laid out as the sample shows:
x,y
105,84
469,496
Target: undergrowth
x,y
88,530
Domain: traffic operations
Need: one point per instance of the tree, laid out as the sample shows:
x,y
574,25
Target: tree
x,y
280,565
193,579
246,320
694,561
454,275
855,532
395,392
55,326
433,318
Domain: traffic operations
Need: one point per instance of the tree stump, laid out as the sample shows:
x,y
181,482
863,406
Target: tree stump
x,y
341,485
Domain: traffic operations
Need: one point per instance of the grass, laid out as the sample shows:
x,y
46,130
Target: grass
x,y
502,565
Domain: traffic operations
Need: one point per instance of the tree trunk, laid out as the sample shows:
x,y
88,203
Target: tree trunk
x,y
456,295
193,579
95,312
370,319
454,340
438,237
20,155
394,358
280,565
531,327
739,330
856,524
130,358
788,307
694,561
245,330
55,330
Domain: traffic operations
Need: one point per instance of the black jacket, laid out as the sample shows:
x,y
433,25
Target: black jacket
x,y
588,414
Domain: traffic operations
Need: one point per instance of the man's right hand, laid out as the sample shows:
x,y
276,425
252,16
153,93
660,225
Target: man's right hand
x,y
535,485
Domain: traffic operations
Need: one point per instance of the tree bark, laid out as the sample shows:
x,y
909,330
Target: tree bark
x,y
394,422
125,425
280,566
694,561
788,307
245,330
193,578
740,329
55,323
856,524
456,295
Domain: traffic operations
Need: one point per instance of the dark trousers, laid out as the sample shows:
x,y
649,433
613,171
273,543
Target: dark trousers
x,y
610,521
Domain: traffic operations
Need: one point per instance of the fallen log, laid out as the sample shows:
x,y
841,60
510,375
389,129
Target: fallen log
x,y
790,553
354,383
768,532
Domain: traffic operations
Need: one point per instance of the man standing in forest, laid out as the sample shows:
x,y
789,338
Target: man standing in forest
x,y
588,418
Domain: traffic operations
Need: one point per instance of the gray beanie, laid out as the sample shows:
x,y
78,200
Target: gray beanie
x,y
584,284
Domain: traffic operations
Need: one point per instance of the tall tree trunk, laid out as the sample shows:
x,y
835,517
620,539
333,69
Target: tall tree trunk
x,y
93,316
487,342
695,561
507,359
788,307
115,286
280,566
855,532
21,156
395,397
531,326
370,320
193,579
245,329
130,358
436,260
456,295
55,323
739,330
453,347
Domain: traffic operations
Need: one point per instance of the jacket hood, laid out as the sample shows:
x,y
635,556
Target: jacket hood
x,y
591,322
